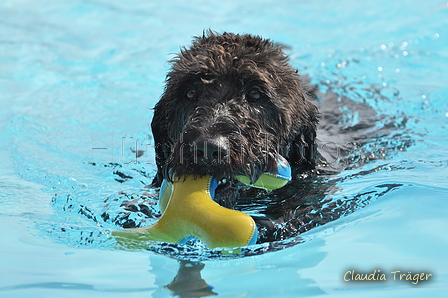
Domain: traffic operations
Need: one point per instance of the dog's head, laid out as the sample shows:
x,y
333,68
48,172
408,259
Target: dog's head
x,y
231,105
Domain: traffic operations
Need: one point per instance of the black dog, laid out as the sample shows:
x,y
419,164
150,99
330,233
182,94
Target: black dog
x,y
232,105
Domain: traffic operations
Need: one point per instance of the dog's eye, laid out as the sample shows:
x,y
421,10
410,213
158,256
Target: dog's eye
x,y
191,94
254,94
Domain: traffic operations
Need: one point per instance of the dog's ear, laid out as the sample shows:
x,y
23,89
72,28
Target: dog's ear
x,y
162,145
310,150
303,154
303,150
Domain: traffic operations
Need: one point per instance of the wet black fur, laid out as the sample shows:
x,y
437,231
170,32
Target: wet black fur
x,y
223,70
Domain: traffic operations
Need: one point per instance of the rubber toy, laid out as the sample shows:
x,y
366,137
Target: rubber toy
x,y
188,210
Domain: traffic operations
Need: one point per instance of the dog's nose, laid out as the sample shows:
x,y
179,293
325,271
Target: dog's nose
x,y
209,150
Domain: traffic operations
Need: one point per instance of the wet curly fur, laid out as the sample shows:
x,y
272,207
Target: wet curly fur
x,y
232,105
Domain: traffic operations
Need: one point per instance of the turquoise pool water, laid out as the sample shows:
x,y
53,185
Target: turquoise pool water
x,y
77,76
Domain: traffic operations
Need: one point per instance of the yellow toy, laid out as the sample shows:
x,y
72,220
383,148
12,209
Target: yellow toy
x,y
188,210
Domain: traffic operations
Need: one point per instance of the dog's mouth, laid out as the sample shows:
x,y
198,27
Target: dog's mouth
x,y
220,158
224,169
224,175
